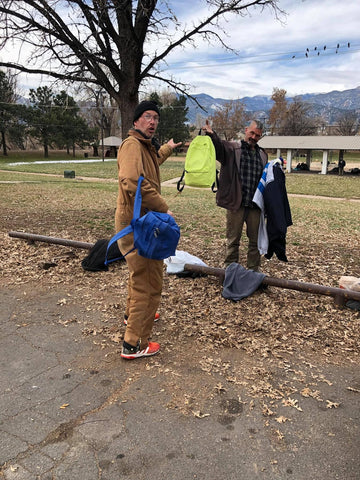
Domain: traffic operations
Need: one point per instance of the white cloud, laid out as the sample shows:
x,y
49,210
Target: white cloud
x,y
266,48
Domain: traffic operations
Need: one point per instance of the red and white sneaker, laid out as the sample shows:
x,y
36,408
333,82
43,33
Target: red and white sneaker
x,y
134,352
156,318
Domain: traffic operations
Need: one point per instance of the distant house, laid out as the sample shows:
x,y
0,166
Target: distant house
x,y
184,147
112,141
111,145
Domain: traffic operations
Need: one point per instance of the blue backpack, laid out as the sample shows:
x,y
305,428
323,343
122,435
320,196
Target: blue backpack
x,y
156,234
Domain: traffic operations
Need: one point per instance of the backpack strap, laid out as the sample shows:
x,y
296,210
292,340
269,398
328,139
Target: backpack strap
x,y
215,185
115,238
138,200
129,228
179,187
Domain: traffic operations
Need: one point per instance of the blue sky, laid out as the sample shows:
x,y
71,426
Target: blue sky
x,y
288,53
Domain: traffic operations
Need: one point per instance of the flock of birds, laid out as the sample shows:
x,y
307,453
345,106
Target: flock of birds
x,y
318,50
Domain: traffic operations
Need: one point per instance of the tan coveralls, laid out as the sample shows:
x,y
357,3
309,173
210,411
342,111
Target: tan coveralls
x,y
137,156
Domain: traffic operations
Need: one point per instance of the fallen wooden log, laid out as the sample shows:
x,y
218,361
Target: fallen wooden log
x,y
32,237
340,295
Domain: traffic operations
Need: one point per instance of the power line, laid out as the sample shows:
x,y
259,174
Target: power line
x,y
324,50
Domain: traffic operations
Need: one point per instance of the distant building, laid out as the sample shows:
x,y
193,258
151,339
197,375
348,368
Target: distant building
x,y
307,144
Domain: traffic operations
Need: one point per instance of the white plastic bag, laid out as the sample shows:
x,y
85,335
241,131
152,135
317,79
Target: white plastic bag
x,y
175,264
350,283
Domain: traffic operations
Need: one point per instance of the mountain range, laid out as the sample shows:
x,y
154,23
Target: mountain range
x,y
328,105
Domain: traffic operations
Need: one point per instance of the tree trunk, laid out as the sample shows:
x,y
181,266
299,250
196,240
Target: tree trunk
x,y
3,141
127,105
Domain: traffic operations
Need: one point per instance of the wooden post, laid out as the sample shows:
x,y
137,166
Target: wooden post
x,y
32,237
339,294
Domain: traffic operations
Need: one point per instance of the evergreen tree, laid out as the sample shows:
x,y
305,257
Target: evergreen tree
x,y
11,128
72,128
55,120
178,126
173,121
42,117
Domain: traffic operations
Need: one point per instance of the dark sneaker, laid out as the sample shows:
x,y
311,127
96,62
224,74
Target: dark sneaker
x,y
156,318
134,352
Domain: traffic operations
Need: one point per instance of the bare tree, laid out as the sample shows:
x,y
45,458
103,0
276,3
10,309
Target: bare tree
x,y
348,123
100,110
230,119
103,42
278,111
299,120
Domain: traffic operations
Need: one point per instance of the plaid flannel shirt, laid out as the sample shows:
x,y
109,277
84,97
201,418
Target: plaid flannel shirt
x,y
250,172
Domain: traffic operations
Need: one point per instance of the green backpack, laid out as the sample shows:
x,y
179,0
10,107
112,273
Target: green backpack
x,y
200,165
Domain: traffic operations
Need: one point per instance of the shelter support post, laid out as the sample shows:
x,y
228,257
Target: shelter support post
x,y
325,162
289,160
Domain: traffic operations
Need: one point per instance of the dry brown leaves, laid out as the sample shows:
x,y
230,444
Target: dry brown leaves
x,y
212,346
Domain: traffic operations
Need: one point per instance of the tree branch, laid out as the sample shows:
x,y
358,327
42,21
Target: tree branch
x,y
102,42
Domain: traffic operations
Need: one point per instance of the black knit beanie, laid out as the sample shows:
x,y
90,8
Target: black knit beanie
x,y
143,107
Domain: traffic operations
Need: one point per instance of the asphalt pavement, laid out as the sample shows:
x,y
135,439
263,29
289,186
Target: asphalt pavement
x,y
72,409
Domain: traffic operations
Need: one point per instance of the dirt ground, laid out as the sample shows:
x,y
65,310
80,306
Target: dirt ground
x,y
266,331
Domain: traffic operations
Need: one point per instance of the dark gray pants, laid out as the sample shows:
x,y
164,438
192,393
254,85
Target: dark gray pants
x,y
234,226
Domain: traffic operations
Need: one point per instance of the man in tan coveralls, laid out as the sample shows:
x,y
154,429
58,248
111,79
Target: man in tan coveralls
x,y
140,155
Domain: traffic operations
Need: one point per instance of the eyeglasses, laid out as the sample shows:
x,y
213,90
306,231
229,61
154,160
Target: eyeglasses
x,y
148,117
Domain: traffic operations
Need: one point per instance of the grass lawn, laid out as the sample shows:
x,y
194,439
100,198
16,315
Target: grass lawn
x,y
297,182
196,208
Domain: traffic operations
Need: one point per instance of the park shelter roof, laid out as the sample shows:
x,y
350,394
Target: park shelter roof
x,y
325,142
112,141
